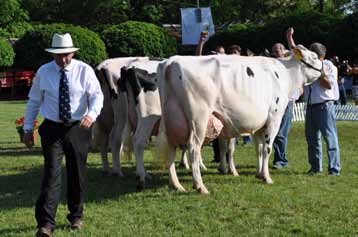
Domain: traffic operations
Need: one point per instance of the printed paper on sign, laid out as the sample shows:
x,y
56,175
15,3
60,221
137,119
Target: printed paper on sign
x,y
194,21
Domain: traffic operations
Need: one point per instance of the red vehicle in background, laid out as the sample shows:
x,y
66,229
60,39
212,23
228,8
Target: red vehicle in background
x,y
17,81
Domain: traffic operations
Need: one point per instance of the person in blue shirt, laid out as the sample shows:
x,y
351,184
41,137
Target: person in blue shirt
x,y
320,114
280,142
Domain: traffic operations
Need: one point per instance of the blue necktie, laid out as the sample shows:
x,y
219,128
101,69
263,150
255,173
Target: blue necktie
x,y
64,98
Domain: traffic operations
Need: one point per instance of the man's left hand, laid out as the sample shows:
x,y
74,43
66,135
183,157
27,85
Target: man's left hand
x,y
86,122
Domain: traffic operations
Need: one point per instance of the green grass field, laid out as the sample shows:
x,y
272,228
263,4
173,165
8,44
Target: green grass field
x,y
295,205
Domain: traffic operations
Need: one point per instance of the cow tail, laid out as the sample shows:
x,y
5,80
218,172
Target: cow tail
x,y
162,146
127,148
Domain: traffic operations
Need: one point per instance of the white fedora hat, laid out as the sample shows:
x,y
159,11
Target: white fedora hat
x,y
61,44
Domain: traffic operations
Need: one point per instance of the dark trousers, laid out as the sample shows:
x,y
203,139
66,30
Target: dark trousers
x,y
57,140
216,149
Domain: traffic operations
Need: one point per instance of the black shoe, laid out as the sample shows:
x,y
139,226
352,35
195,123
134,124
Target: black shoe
x,y
44,232
77,224
331,173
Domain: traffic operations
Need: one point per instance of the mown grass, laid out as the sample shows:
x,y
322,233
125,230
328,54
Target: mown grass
x,y
295,205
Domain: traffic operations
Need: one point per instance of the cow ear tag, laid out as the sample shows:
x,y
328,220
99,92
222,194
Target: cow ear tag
x,y
298,54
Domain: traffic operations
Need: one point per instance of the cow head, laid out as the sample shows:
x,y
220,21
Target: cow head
x,y
312,67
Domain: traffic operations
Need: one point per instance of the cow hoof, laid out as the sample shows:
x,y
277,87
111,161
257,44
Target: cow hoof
x,y
140,186
203,167
203,190
223,170
234,173
184,166
259,176
180,189
268,180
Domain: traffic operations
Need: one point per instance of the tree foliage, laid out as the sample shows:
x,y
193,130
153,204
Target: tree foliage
x,y
6,53
309,27
30,48
134,38
78,12
13,20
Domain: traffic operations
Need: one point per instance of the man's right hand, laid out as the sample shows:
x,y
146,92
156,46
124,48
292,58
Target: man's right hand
x,y
29,139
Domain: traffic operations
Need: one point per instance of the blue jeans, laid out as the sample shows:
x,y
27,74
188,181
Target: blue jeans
x,y
246,139
320,119
342,94
280,143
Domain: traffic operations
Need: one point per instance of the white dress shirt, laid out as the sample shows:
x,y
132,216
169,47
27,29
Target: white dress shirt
x,y
318,93
86,97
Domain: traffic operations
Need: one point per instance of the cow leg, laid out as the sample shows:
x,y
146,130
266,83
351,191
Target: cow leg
x,y
104,155
196,140
120,119
140,138
222,154
231,150
100,138
173,178
267,137
116,144
184,160
201,164
259,149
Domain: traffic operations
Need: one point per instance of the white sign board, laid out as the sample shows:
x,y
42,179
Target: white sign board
x,y
194,21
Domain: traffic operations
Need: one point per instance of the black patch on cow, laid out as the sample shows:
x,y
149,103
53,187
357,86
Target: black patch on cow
x,y
121,83
268,141
275,110
266,135
277,100
249,72
180,77
147,85
136,83
276,74
112,93
268,150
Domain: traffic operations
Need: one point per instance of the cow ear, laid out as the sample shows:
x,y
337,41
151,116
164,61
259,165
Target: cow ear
x,y
298,54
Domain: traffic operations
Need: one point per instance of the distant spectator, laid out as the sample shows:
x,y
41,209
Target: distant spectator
x,y
235,49
343,68
280,142
220,50
354,72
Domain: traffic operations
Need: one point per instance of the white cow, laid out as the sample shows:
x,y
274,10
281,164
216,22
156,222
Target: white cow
x,y
113,116
247,94
141,86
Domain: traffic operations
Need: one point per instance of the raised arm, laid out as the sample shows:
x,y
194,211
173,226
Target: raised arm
x,y
289,35
200,46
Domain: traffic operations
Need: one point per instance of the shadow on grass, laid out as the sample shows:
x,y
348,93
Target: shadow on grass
x,y
22,230
16,151
21,190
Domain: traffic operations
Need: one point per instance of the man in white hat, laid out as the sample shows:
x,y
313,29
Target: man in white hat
x,y
67,94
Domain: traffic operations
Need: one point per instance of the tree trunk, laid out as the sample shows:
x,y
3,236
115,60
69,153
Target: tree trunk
x,y
321,5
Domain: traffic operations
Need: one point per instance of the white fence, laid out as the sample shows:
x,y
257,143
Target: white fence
x,y
343,112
